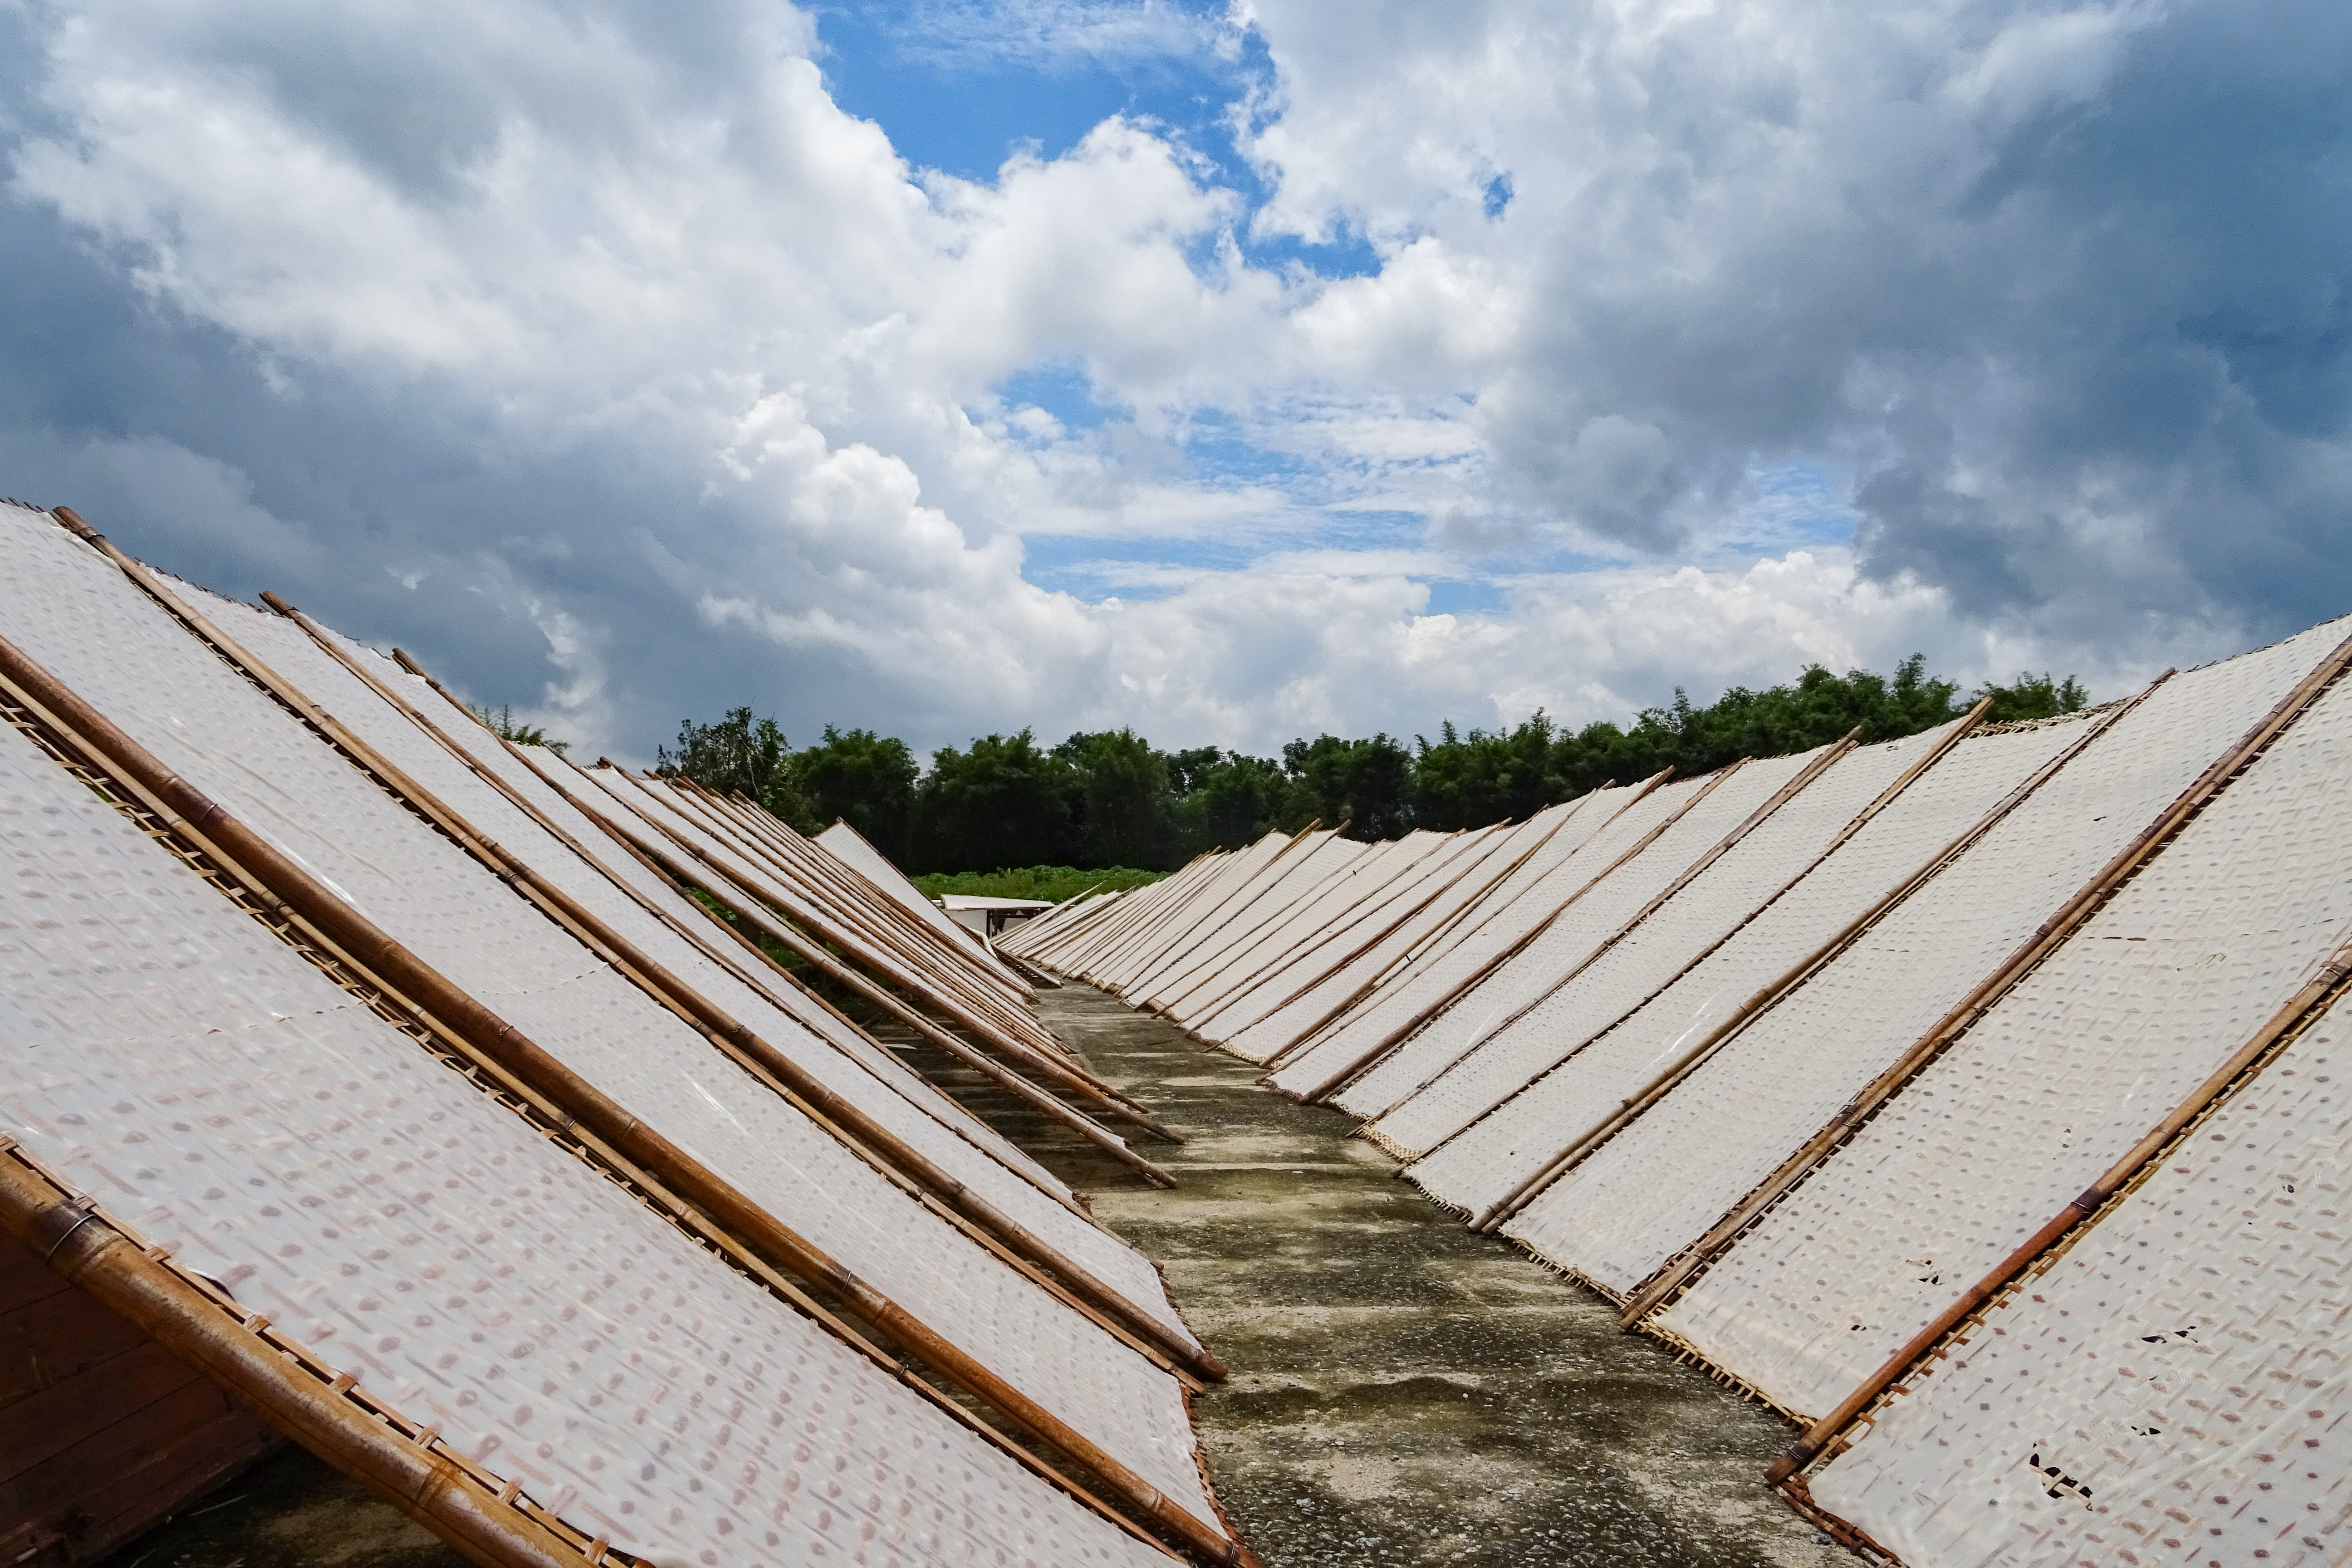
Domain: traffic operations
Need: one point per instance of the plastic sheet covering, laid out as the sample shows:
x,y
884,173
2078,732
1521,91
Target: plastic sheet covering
x,y
849,847
1271,1017
81,618
1369,892
819,1041
175,1060
1489,1161
1508,914
2175,1389
1250,939
2049,1088
1701,914
1647,1193
1563,945
1251,875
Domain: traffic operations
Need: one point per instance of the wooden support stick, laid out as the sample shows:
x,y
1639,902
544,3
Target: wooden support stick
x,y
2046,939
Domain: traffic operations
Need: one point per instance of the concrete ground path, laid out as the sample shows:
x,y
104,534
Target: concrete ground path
x,y
1406,1391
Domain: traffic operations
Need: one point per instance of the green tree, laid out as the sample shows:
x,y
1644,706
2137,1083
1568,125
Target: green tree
x,y
737,754
1475,780
1119,798
1003,802
500,721
864,779
1227,801
2032,696
1368,784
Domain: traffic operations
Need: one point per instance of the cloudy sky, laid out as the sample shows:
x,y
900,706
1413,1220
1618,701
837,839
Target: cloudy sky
x,y
1232,373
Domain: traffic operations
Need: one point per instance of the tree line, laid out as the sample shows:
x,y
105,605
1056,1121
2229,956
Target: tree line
x,y
1110,799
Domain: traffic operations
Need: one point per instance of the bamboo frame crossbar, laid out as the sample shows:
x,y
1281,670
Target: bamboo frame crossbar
x,y
688,862
2309,1002
773,1068
688,1193
2052,934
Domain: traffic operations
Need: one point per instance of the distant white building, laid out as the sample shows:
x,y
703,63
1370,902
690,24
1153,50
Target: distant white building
x,y
990,915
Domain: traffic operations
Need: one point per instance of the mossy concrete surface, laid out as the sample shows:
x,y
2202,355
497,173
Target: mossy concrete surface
x,y
1405,1392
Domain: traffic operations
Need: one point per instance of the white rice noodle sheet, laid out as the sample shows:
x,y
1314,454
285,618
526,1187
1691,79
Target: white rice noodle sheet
x,y
1563,947
1656,1186
1699,916
221,1097
77,615
1511,912
2049,1088
2177,1388
1490,1159
818,1040
1272,1017
1210,951
1244,889
1369,886
849,847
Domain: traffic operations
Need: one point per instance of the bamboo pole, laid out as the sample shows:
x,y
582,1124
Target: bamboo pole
x,y
1716,1039
301,1401
1055,1067
1934,754
2046,939
764,1062
1689,874
687,1191
685,887
741,898
887,932
1395,1038
1414,949
2308,1003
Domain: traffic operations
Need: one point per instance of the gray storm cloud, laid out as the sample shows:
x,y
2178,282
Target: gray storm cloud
x,y
596,355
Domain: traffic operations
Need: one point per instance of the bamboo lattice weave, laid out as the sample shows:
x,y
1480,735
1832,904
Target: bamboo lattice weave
x,y
1491,1159
1269,1020
1703,913
1642,1197
1511,912
1461,979
849,1064
206,1084
83,620
2050,1088
1563,945
2182,1369
1337,922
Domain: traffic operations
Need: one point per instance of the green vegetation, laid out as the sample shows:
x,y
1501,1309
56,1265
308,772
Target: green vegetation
x,y
501,723
1113,800
1052,883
